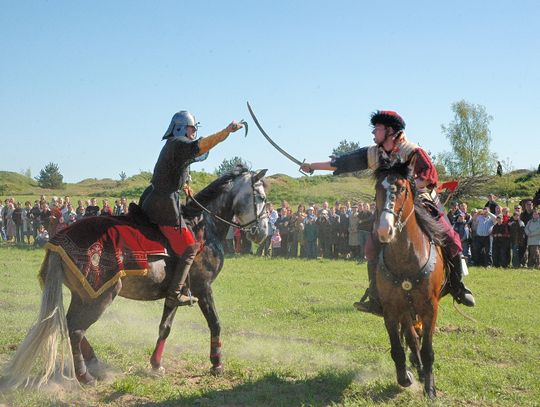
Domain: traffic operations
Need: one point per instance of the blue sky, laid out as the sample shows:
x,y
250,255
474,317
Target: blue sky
x,y
92,86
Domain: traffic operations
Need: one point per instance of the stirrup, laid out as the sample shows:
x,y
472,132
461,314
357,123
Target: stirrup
x,y
370,306
466,298
180,300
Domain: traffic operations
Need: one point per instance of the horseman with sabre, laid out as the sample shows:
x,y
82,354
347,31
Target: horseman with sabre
x,y
392,146
161,202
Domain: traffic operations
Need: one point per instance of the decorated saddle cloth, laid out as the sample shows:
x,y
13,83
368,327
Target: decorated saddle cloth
x,y
100,250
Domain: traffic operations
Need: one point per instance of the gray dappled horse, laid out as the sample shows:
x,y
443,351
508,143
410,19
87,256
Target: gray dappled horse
x,y
239,194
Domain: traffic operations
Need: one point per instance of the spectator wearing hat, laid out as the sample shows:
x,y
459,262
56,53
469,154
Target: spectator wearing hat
x,y
501,243
517,237
532,230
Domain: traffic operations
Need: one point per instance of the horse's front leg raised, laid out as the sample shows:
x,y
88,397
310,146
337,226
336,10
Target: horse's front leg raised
x,y
164,331
208,308
404,377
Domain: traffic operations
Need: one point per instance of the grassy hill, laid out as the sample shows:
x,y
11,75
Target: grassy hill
x,y
318,188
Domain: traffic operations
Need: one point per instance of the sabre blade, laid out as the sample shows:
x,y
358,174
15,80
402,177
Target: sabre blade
x,y
267,137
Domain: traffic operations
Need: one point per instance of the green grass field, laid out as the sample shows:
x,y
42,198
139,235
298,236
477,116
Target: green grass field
x,y
291,338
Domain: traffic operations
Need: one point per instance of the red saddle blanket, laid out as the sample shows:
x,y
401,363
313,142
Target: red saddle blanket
x,y
100,250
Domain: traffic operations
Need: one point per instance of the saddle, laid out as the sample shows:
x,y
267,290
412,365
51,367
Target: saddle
x,y
100,250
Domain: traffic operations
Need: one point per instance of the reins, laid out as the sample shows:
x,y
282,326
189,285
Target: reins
x,y
246,227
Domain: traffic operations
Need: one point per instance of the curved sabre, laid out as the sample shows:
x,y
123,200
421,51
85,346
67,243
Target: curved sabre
x,y
278,148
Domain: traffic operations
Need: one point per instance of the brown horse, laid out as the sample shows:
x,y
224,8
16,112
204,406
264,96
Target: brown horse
x,y
411,272
57,346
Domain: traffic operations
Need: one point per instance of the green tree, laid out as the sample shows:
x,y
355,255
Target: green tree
x,y
345,146
50,177
227,166
122,176
469,136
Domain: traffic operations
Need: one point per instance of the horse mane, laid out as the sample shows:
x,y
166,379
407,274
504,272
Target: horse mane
x,y
424,218
207,194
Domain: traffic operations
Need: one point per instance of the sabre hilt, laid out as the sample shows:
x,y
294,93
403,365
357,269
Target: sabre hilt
x,y
306,173
244,123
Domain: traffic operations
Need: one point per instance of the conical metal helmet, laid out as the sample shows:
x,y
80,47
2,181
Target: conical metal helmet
x,y
179,123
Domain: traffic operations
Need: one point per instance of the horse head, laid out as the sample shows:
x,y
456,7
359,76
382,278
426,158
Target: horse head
x,y
394,197
248,203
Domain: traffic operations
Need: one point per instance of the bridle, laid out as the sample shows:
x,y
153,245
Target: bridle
x,y
392,191
405,281
251,226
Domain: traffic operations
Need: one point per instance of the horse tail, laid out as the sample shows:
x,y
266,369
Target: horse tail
x,y
45,352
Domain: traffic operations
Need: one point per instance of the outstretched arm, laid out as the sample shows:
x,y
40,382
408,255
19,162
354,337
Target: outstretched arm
x,y
209,142
326,165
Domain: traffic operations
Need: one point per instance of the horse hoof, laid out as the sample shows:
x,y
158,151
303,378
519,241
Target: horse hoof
x,y
217,370
431,394
407,381
87,379
158,371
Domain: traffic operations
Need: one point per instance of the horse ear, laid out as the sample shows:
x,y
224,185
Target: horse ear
x,y
260,174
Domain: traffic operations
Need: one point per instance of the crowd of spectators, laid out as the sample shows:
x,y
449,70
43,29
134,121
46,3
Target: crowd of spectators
x,y
495,236
492,236
36,223
313,231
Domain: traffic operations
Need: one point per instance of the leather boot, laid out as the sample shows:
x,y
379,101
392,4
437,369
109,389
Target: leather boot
x,y
178,294
372,305
461,294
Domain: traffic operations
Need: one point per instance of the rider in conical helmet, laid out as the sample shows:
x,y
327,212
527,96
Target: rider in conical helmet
x,y
392,146
161,202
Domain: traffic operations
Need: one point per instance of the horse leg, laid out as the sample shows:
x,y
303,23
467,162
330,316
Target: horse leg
x,y
413,342
208,308
164,331
80,316
88,352
428,357
404,377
